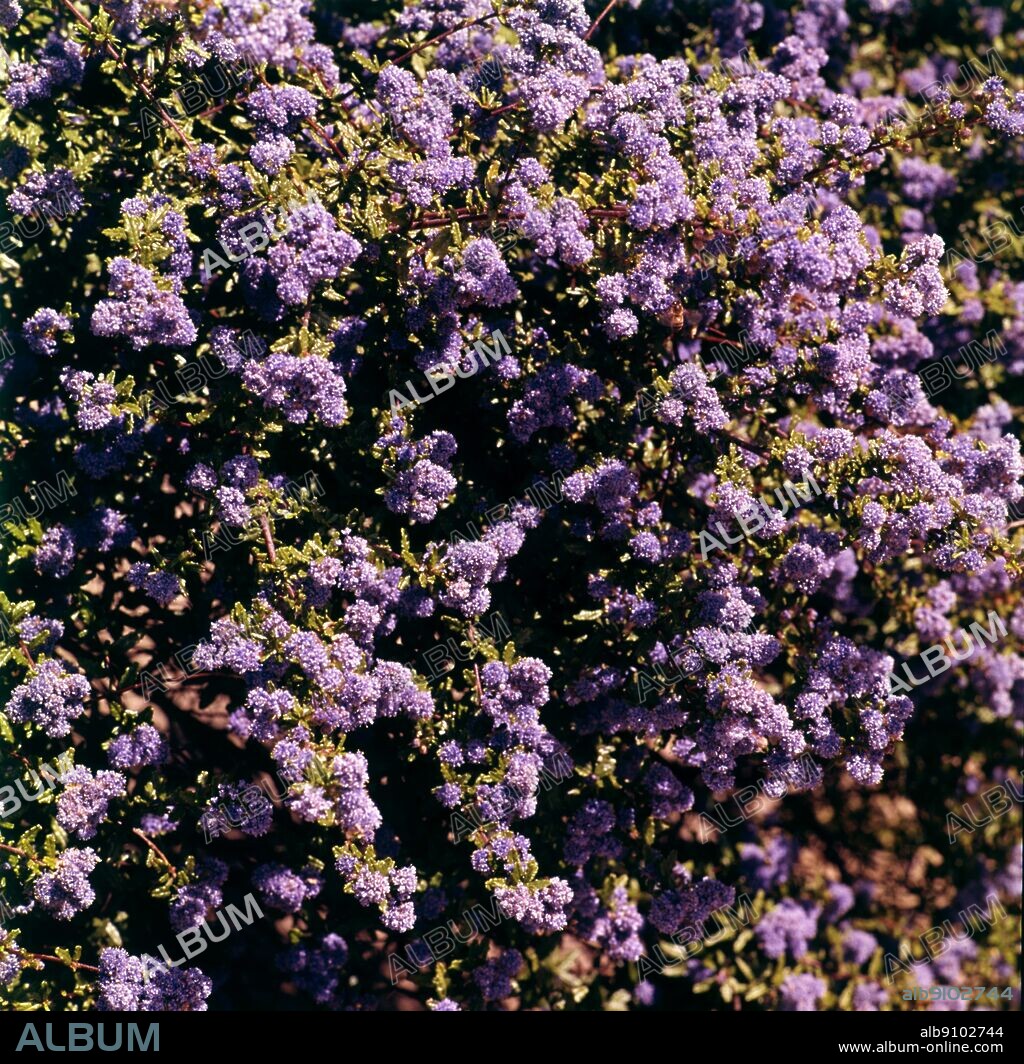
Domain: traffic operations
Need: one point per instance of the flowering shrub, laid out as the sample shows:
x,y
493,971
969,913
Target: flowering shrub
x,y
713,250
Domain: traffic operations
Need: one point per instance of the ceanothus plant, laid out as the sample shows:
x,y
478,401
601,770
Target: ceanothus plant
x,y
730,248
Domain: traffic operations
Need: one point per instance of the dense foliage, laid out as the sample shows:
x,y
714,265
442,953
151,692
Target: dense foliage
x,y
487,480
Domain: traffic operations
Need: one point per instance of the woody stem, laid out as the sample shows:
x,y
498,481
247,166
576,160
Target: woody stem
x,y
156,849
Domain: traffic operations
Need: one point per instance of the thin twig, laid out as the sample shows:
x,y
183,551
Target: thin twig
x,y
740,442
476,668
597,21
881,144
156,849
19,852
186,678
268,539
75,965
168,48
464,25
437,223
135,78
503,109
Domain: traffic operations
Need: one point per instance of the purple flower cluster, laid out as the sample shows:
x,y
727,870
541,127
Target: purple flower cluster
x,y
161,586
380,884
423,116
58,65
300,388
44,629
82,805
140,310
66,891
311,250
690,905
316,970
138,748
193,901
274,34
10,13
421,480
277,111
283,889
801,993
40,331
788,928
242,805
51,699
494,978
124,987
55,555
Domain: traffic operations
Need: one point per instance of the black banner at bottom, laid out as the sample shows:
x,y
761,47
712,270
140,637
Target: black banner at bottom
x,y
828,1035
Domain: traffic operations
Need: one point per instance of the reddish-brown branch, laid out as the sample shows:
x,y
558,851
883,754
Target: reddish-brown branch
x,y
168,48
597,21
437,223
156,849
187,678
464,25
268,538
740,442
327,138
215,108
75,965
882,144
133,77
340,100
505,107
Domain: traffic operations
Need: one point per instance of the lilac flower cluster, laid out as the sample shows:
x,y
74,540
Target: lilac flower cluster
x,y
193,901
379,883
788,928
66,891
161,586
82,804
316,970
312,250
51,699
143,746
40,331
140,310
283,889
123,987
423,117
420,471
58,65
494,979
